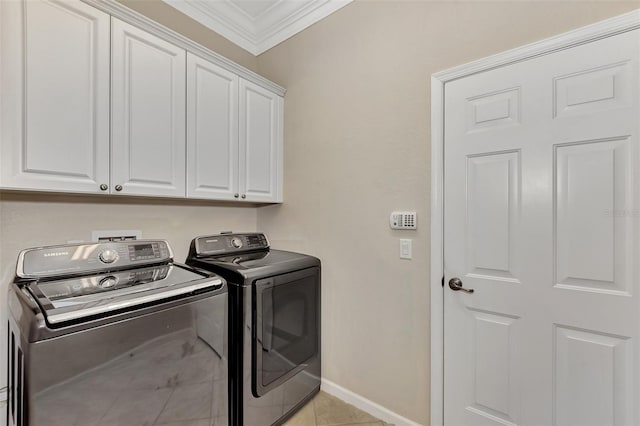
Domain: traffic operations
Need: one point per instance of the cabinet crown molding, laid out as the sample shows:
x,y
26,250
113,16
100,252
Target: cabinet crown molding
x,y
122,12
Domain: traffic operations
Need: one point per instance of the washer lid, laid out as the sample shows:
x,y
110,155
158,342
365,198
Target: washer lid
x,y
243,268
74,298
260,259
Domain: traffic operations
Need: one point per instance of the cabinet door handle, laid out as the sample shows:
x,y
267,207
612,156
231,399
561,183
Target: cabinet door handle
x,y
104,187
244,195
118,187
236,195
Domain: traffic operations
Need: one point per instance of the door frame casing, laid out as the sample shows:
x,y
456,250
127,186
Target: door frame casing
x,y
607,28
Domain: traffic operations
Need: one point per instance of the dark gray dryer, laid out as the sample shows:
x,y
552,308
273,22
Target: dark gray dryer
x,y
115,333
274,324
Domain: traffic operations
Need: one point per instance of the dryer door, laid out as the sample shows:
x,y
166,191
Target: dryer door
x,y
286,324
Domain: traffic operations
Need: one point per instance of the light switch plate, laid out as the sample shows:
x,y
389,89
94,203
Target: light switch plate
x,y
405,248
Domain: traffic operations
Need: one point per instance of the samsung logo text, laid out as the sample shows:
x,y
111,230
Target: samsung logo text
x,y
58,253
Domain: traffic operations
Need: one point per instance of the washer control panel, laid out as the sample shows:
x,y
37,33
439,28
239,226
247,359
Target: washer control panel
x,y
69,259
230,243
147,251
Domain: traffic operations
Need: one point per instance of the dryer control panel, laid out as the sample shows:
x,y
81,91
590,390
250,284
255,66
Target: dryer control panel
x,y
230,243
70,259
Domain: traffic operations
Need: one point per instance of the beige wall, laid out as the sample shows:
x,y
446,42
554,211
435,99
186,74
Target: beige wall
x,y
171,18
357,147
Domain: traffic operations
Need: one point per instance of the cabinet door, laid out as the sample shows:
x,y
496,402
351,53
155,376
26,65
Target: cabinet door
x,y
261,113
54,93
148,114
212,131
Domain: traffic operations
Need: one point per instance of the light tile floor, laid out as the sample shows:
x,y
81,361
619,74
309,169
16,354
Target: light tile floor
x,y
322,410
327,410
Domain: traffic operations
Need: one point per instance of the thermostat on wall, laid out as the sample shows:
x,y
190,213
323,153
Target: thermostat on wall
x,y
403,220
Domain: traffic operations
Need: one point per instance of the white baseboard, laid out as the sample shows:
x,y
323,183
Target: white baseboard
x,y
376,410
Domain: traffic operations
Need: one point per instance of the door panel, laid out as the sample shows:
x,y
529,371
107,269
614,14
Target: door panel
x,y
212,130
260,143
494,371
591,182
583,390
592,90
541,199
148,114
57,116
491,110
492,203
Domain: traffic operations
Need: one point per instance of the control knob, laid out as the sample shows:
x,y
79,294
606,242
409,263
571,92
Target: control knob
x,y
236,242
108,282
108,256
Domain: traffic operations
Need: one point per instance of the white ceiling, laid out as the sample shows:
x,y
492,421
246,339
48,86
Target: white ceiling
x,y
257,25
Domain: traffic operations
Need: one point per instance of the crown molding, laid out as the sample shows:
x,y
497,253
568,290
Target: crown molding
x,y
223,19
297,22
118,10
257,34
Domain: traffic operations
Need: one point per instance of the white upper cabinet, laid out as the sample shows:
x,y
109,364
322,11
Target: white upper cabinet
x,y
148,113
92,104
261,115
212,130
234,136
54,96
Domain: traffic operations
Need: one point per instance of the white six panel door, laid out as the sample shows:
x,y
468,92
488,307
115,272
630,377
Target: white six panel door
x,y
55,96
148,114
212,131
542,220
